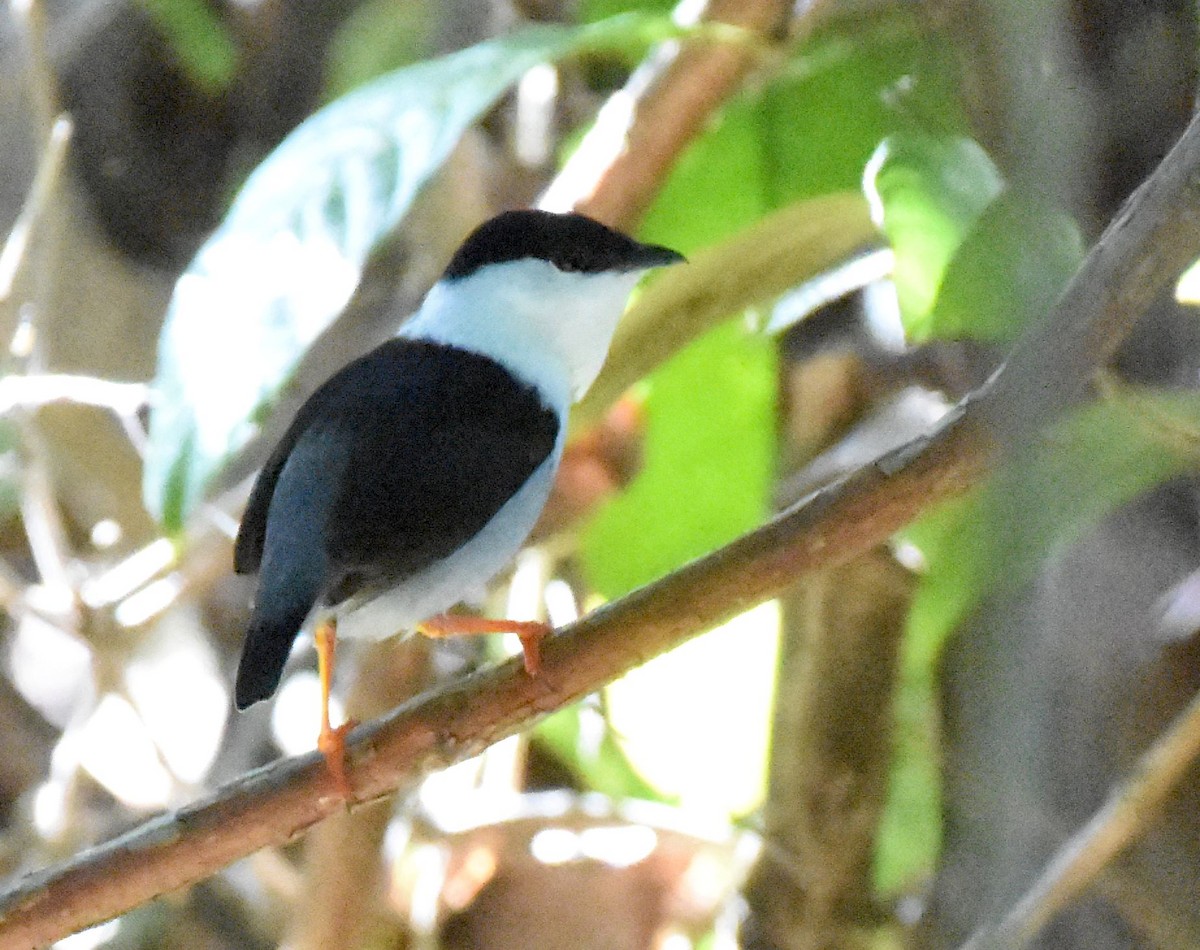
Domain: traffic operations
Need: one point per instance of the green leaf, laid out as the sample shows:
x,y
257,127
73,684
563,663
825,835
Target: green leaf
x,y
289,254
199,38
996,538
1012,266
707,470
926,194
1085,467
809,132
751,268
972,260
582,740
843,93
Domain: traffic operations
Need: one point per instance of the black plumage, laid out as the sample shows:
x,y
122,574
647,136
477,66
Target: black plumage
x,y
395,462
571,242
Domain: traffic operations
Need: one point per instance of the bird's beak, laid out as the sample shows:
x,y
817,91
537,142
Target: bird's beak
x,y
655,255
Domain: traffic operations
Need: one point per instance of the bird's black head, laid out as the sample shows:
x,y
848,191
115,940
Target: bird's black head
x,y
571,242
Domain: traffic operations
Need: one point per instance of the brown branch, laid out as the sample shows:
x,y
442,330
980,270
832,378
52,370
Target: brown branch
x,y
1136,258
830,761
1130,809
671,107
275,804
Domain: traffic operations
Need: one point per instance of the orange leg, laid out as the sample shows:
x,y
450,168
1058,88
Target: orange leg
x,y
530,632
331,742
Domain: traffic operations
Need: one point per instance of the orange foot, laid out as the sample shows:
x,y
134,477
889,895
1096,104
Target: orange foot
x,y
530,633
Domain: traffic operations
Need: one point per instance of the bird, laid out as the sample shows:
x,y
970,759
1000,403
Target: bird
x,y
414,474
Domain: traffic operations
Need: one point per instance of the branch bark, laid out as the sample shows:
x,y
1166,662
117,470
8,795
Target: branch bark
x,y
1142,251
1131,807
831,739
831,728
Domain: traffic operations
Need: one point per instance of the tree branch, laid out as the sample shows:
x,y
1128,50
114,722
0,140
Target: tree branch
x,y
840,636
831,760
619,167
272,805
1131,807
1138,256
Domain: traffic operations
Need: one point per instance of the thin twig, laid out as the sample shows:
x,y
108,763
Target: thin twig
x,y
44,186
42,518
41,389
44,527
1132,806
41,81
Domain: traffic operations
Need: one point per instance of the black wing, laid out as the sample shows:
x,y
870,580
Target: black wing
x,y
252,533
432,462
429,441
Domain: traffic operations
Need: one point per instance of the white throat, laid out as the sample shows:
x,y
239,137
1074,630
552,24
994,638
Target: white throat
x,y
550,328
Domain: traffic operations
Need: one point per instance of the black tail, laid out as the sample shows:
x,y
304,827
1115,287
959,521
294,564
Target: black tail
x,y
264,657
291,579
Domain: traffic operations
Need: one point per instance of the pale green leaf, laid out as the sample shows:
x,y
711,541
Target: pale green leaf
x,y
289,254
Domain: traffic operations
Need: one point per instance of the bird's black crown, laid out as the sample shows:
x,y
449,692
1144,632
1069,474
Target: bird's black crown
x,y
571,242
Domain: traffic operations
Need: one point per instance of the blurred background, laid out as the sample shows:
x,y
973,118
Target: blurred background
x,y
884,757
